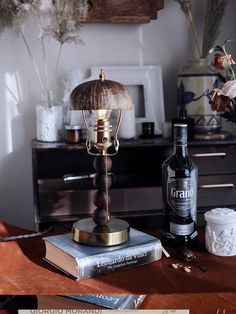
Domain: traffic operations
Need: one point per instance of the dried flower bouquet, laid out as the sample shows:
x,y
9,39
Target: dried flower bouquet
x,y
213,15
59,19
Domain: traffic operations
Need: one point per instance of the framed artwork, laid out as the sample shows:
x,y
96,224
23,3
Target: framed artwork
x,y
146,87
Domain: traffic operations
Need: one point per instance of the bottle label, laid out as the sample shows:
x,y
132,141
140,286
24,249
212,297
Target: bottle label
x,y
181,229
181,196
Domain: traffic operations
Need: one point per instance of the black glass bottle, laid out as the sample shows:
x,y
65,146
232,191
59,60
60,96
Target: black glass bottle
x,y
179,178
183,118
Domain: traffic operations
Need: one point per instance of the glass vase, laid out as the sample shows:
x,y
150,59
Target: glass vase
x,y
195,82
49,119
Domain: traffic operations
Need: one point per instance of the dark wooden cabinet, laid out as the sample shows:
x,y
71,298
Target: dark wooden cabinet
x,y
136,192
123,11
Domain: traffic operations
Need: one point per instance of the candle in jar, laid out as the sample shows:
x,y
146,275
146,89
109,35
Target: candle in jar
x,y
127,127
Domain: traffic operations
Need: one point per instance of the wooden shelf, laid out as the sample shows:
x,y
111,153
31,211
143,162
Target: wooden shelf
x,y
123,11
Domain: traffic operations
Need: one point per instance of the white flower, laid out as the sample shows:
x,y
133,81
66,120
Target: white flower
x,y
26,7
70,36
229,89
46,5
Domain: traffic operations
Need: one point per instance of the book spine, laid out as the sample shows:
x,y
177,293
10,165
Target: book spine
x,y
132,302
111,301
118,260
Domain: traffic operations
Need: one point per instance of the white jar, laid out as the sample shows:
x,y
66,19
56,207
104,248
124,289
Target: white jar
x,y
220,233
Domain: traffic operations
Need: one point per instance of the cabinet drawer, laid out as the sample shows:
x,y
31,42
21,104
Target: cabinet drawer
x,y
218,190
214,159
80,202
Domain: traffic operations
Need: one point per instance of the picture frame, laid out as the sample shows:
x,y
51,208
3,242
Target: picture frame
x,y
146,86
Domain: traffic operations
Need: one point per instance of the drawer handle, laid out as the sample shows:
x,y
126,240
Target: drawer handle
x,y
212,186
73,177
209,155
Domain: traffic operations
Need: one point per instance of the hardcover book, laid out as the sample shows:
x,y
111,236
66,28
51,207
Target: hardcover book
x,y
82,261
99,301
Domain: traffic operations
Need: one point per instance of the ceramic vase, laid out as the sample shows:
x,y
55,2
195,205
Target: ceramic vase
x,y
195,83
49,119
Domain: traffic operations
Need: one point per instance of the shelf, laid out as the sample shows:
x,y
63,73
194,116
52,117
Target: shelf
x,y
123,11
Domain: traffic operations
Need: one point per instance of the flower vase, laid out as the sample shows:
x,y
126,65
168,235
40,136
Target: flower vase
x,y
195,83
49,119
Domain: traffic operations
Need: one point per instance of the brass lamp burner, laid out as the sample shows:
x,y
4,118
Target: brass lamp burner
x,y
103,130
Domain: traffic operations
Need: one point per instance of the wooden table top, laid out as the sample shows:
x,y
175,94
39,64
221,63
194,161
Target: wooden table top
x,y
23,271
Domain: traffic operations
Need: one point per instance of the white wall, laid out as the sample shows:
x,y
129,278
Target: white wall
x,y
163,41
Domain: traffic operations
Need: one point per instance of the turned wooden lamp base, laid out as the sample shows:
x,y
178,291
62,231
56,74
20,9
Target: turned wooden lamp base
x,y
115,232
101,230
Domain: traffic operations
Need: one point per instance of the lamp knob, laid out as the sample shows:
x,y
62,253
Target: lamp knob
x,y
102,76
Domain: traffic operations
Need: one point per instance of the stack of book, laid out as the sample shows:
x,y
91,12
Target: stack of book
x,y
82,261
114,302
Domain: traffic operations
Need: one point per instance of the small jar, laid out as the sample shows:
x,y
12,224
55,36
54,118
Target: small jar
x,y
73,134
148,130
220,232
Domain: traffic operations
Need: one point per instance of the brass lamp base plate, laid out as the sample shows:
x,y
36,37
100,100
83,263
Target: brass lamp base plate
x,y
115,232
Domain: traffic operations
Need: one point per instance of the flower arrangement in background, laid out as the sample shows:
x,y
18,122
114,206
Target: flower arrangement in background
x,y
224,100
59,19
7,12
214,12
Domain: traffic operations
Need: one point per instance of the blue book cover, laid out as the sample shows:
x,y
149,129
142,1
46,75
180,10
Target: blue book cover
x,y
111,301
83,261
91,301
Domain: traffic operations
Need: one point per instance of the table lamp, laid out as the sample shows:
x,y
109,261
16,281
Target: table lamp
x,y
100,97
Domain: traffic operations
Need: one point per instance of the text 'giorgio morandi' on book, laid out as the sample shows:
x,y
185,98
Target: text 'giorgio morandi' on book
x,y
82,261
94,301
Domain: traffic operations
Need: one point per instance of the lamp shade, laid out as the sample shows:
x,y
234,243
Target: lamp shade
x,y
100,94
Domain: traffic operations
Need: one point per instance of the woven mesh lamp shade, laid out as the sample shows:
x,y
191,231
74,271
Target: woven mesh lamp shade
x,y
100,94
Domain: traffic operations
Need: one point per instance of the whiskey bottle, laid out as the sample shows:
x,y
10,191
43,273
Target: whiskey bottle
x,y
179,177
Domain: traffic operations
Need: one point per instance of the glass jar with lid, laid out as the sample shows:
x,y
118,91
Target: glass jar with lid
x,y
73,134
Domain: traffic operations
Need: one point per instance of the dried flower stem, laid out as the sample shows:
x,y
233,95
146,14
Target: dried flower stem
x,y
194,33
225,52
190,37
32,59
186,7
57,63
46,72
